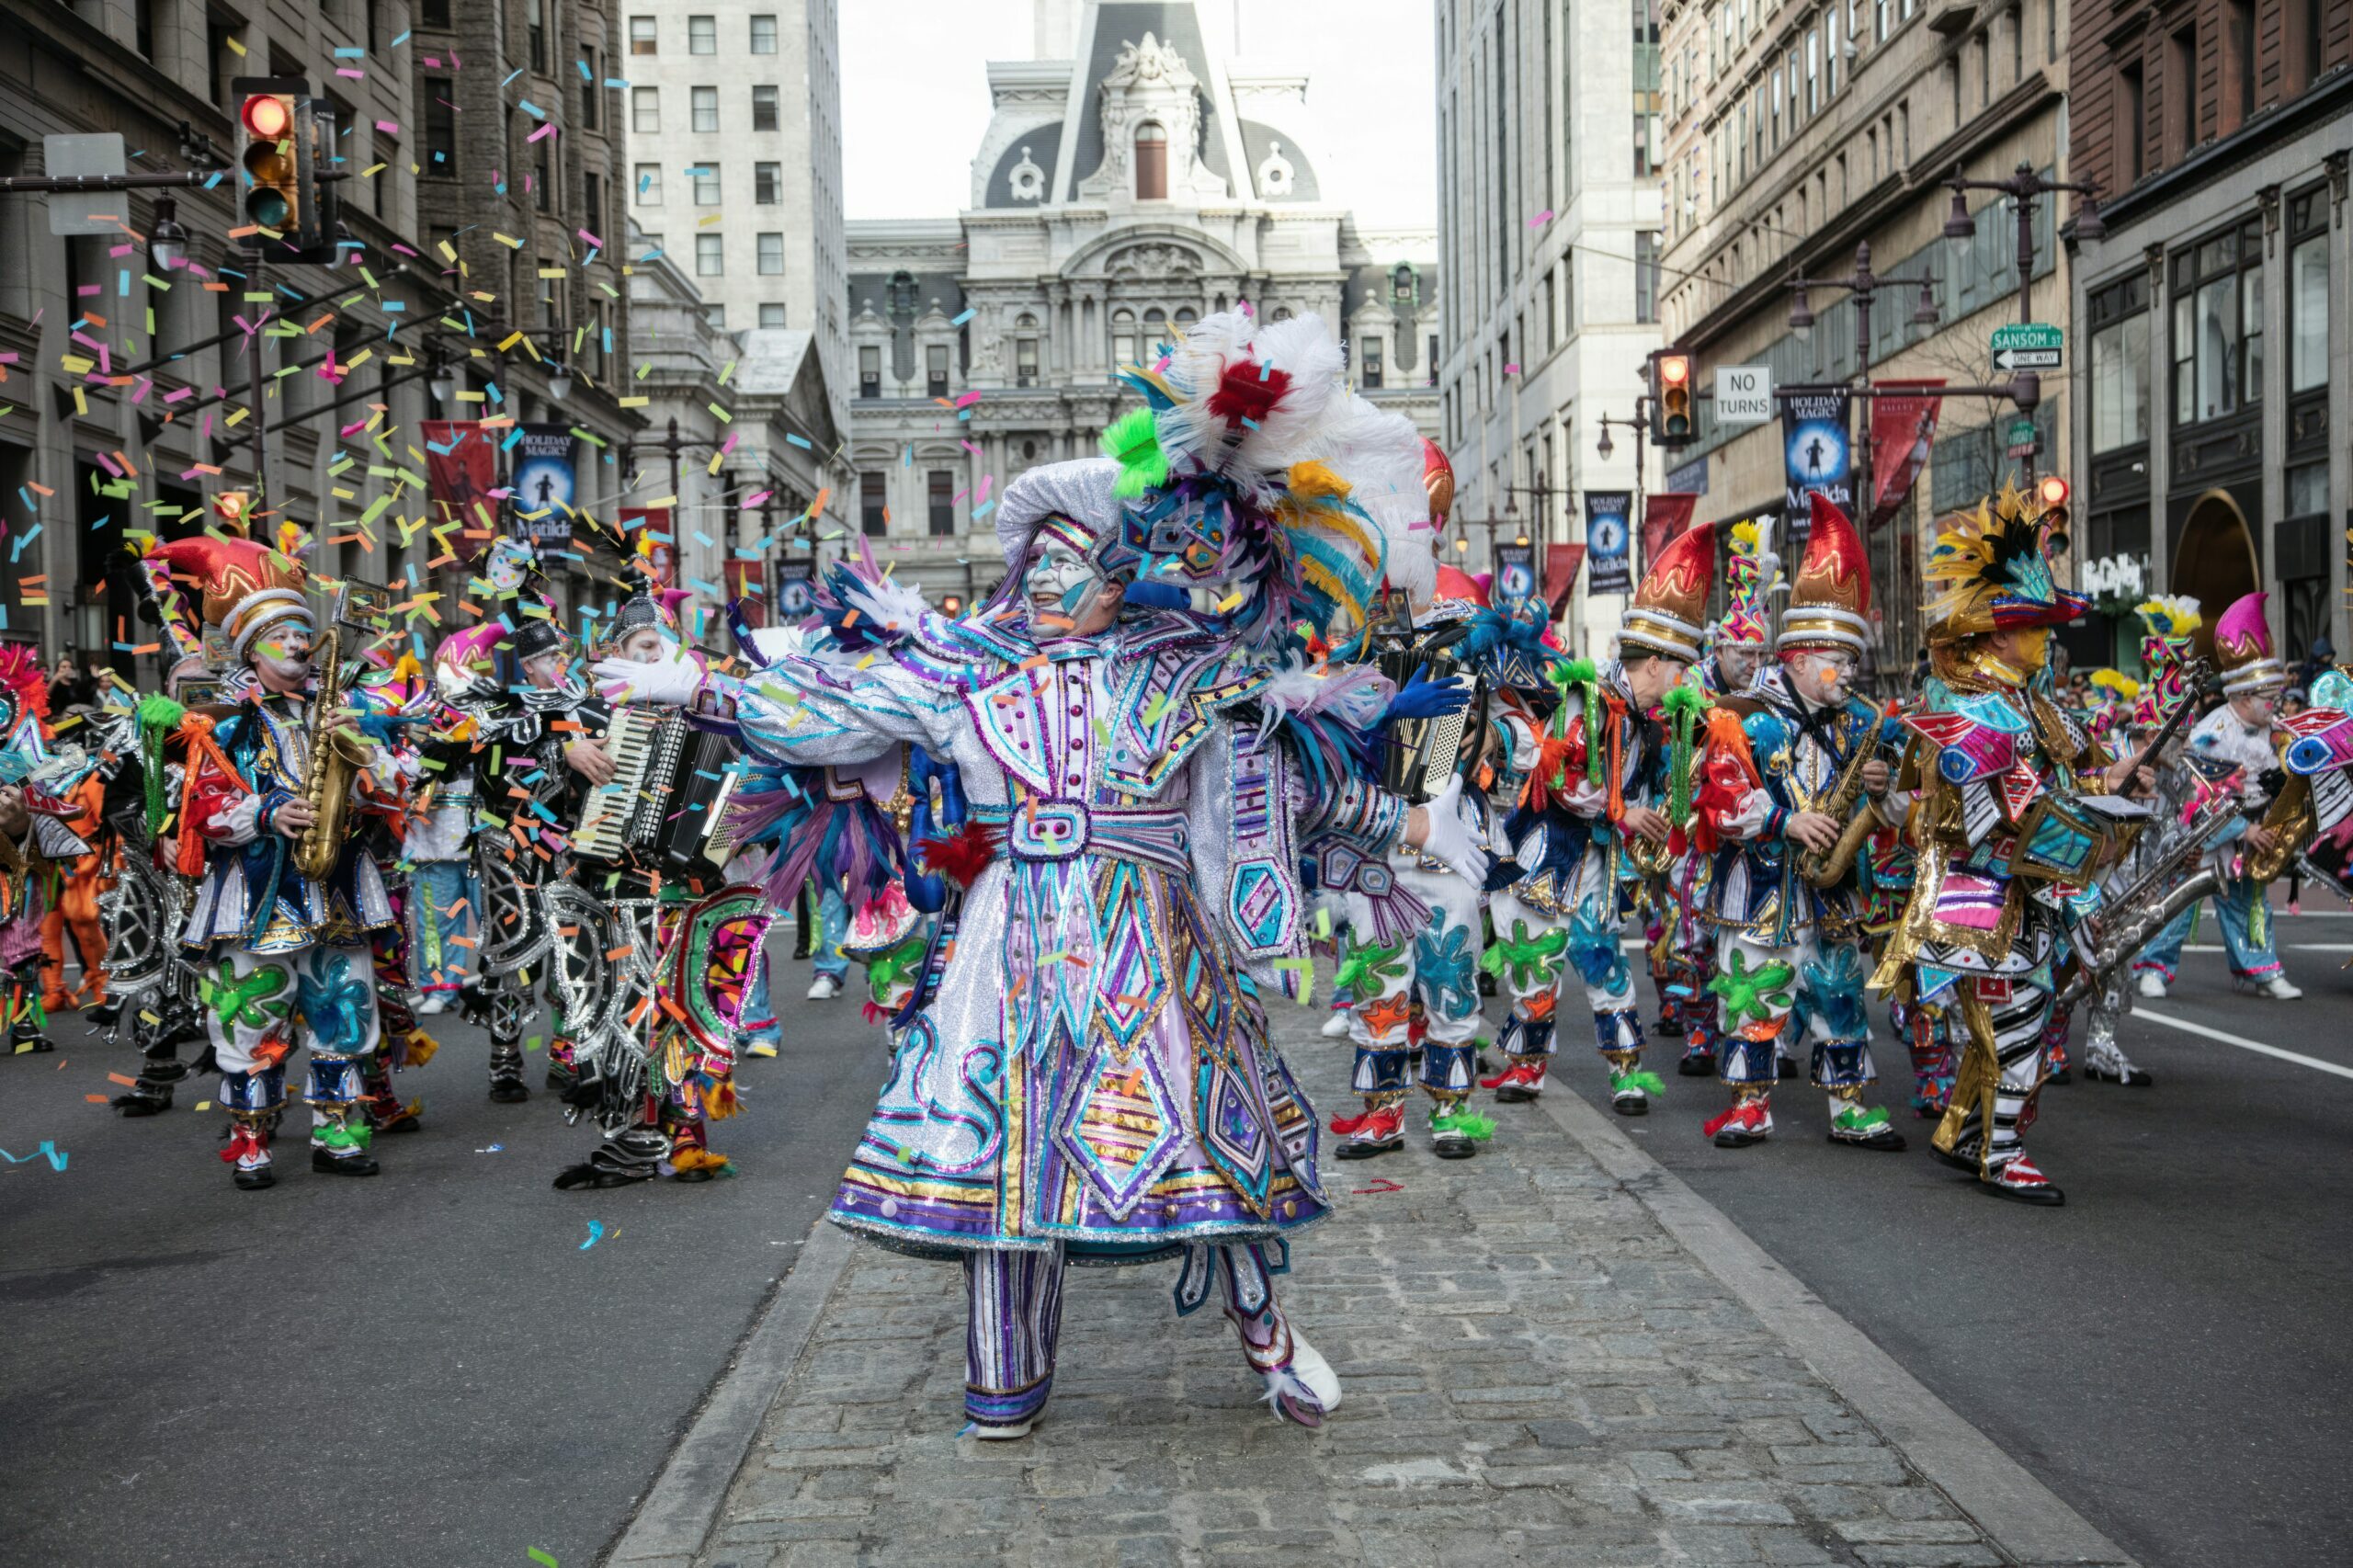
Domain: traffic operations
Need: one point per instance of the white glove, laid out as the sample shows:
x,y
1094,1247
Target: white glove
x,y
671,683
1453,838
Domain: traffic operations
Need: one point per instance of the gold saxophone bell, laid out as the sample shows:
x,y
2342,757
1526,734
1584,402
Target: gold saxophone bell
x,y
336,759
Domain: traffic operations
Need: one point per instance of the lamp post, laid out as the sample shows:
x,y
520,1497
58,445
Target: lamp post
x,y
2022,188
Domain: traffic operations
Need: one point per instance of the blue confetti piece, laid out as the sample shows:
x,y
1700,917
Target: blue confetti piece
x,y
512,74
351,54
48,1149
967,316
583,71
527,107
801,441
398,41
596,1234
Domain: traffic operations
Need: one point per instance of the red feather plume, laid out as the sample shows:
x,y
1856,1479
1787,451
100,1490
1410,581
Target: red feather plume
x,y
20,674
1247,391
961,858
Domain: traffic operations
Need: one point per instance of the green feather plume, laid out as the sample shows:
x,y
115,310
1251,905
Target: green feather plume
x,y
1133,441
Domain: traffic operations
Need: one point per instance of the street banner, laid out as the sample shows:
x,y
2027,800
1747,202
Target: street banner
x,y
1665,517
1561,564
661,546
747,585
546,491
796,593
461,471
1608,515
1819,456
1903,427
1515,581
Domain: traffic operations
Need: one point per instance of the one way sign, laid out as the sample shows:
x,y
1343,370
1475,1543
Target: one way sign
x,y
2026,345
2026,359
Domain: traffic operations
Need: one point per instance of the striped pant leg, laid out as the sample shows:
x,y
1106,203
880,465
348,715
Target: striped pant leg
x,y
1014,1324
2002,1068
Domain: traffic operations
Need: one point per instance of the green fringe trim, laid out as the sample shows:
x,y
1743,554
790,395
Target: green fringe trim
x,y
1466,1121
158,716
1684,706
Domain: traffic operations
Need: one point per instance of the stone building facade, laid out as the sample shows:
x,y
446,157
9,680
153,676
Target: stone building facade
x,y
1549,226
1131,179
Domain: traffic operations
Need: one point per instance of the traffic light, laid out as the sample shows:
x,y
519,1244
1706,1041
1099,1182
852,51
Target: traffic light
x,y
288,142
2052,492
953,606
1673,381
231,509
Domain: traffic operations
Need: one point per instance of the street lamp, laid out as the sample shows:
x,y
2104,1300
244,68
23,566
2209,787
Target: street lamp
x,y
167,241
1603,447
1801,314
560,382
444,384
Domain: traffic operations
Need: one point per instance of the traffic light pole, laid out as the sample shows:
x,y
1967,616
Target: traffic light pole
x,y
260,402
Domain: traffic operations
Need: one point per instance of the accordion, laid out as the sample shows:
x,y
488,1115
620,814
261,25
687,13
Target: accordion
x,y
1422,754
668,795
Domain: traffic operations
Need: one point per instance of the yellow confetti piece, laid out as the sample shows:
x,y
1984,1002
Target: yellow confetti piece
x,y
235,47
635,401
721,414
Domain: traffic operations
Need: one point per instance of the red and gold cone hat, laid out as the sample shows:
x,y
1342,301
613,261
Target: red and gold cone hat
x,y
1670,608
1830,602
245,585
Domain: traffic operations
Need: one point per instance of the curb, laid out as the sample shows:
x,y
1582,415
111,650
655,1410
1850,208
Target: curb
x,y
670,1526
2023,1517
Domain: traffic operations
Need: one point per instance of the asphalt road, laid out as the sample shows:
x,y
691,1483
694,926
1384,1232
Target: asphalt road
x,y
425,1368
2167,1351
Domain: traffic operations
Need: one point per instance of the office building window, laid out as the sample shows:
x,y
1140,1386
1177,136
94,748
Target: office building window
x,y
2218,325
645,110
767,184
702,35
649,184
771,313
435,14
440,128
711,256
537,19
1025,362
592,97
869,372
942,497
1369,363
2308,294
643,36
1123,337
935,368
1646,276
771,256
705,102
2120,388
764,111
706,178
762,35
873,503
715,317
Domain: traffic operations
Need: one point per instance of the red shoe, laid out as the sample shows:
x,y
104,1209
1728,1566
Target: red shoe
x,y
2019,1181
1748,1121
1376,1132
1520,1081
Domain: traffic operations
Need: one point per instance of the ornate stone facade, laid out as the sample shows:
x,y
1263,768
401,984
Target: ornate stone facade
x,y
984,343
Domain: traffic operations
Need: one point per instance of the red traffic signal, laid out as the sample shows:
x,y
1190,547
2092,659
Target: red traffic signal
x,y
2052,491
1672,376
273,196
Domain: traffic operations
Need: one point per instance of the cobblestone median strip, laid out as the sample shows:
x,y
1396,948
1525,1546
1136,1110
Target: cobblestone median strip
x,y
1540,1367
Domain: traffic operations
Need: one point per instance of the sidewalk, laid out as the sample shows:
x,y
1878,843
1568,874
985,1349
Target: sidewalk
x,y
1554,1353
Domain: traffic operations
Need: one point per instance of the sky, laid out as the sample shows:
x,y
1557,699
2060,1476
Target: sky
x,y
916,99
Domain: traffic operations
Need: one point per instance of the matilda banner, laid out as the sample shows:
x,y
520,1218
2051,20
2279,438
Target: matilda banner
x,y
1608,515
461,471
547,482
1903,427
1820,457
1515,581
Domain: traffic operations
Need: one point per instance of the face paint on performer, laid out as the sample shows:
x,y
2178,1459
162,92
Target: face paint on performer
x,y
1066,596
1737,660
2255,709
544,671
1650,679
1822,676
280,656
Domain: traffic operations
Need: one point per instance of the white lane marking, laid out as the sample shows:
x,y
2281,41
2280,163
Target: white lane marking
x,y
2141,1009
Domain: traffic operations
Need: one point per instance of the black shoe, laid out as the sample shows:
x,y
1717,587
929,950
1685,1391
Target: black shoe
x,y
1695,1067
1487,984
1959,1162
142,1102
1884,1139
325,1164
105,1015
509,1091
34,1043
256,1180
1787,1067
587,1175
1668,1028
2064,1075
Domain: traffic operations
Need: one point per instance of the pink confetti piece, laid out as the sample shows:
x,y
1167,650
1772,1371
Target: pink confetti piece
x,y
590,238
1541,219
547,129
1511,369
388,127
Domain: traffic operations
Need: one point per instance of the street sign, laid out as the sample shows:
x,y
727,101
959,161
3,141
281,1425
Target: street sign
x,y
1744,395
74,212
2024,442
2028,346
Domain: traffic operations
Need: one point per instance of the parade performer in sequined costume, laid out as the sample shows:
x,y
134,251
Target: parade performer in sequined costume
x,y
1790,960
2005,846
2237,747
1737,644
1094,1077
284,959
1590,823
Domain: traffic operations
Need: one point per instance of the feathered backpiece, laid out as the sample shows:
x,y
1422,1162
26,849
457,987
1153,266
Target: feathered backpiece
x,y
1993,567
2113,695
2169,624
23,690
1252,473
863,607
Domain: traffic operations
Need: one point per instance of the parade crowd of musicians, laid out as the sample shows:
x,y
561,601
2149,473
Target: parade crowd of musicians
x,y
1226,726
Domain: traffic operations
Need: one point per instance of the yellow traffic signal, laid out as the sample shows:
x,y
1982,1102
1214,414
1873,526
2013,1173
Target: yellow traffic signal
x,y
2052,491
1673,381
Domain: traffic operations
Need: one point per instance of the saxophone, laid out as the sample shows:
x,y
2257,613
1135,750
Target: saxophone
x,y
336,759
1828,868
2128,920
